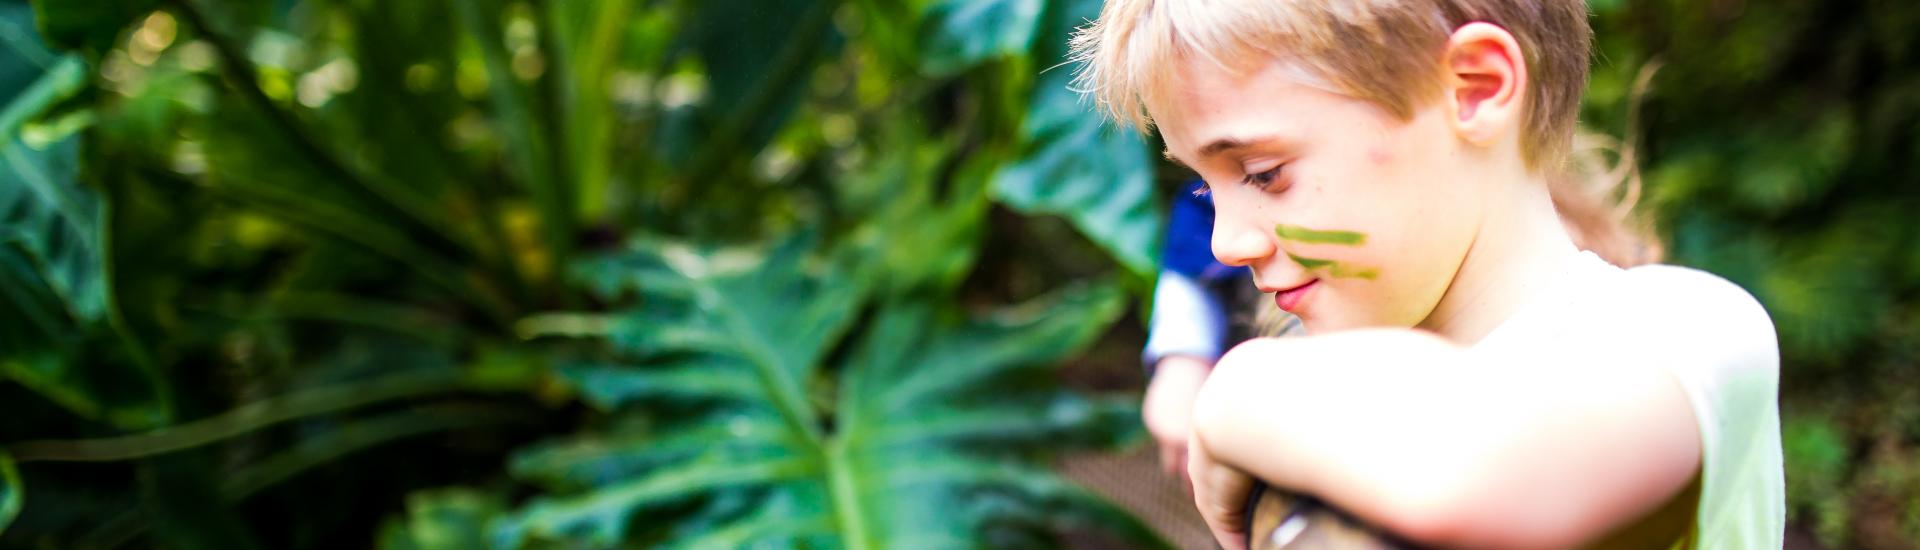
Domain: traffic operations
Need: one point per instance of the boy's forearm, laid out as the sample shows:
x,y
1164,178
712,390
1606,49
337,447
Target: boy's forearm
x,y
1416,436
1350,430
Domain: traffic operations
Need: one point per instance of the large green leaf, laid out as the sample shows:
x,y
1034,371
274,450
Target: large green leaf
x,y
1077,165
768,315
959,33
54,274
911,450
47,215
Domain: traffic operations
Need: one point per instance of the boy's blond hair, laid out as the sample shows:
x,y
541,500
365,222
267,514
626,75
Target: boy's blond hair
x,y
1387,52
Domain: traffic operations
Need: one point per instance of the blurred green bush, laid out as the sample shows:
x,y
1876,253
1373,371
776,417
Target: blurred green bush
x,y
1781,147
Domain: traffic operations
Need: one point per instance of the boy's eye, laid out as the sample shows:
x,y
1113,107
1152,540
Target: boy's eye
x,y
1263,179
1260,179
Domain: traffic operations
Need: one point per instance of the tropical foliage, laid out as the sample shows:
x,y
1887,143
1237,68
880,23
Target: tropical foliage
x,y
353,226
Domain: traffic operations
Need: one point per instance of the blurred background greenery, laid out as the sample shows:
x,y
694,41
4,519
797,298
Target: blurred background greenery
x,y
455,273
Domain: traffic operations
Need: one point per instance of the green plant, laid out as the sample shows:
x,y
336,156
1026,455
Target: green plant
x,y
54,271
804,409
281,239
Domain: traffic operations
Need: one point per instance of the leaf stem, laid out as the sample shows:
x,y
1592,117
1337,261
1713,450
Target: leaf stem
x,y
243,419
846,496
348,439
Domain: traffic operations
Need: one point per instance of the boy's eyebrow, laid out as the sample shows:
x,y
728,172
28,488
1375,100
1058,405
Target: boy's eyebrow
x,y
1220,146
1227,144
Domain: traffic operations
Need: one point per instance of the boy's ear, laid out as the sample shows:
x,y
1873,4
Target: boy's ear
x,y
1485,74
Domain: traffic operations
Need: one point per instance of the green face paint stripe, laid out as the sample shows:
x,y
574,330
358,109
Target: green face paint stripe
x,y
1310,263
1336,269
1314,236
1344,272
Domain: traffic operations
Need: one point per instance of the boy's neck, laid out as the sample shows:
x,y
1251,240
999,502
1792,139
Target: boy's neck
x,y
1519,249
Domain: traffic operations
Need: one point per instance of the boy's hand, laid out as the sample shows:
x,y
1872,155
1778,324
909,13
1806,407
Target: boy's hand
x,y
1220,492
1168,408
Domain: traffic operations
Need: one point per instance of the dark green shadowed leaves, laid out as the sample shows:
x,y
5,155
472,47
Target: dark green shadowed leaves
x,y
89,26
11,491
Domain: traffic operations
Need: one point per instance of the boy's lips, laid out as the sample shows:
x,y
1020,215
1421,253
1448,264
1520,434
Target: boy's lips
x,y
1289,299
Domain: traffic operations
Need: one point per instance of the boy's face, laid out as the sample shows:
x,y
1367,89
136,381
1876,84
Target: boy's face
x,y
1373,215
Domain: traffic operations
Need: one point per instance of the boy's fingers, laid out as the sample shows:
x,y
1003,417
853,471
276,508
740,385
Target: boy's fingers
x,y
1220,492
1173,459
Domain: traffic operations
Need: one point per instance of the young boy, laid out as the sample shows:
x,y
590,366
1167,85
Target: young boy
x,y
1472,379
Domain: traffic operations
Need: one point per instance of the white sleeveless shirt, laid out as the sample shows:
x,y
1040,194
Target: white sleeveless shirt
x,y
1718,344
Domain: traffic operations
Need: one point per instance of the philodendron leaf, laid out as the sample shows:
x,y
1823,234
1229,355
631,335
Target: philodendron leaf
x,y
54,296
600,460
611,386
600,518
960,33
901,438
1078,166
43,210
1044,497
11,492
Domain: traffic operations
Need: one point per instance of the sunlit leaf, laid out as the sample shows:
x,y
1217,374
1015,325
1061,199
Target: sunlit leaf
x,y
955,34
1080,167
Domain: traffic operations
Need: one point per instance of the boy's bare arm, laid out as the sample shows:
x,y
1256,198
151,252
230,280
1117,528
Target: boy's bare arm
x,y
1441,446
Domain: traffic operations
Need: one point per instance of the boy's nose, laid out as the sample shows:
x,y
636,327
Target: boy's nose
x,y
1239,244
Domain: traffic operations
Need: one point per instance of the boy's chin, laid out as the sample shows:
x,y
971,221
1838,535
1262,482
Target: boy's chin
x,y
1327,322
1319,324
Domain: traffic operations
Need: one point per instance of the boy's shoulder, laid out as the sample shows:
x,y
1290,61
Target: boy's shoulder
x,y
1719,343
1652,314
1696,321
1694,302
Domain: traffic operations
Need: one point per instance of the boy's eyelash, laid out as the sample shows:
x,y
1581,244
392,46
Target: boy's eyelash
x,y
1263,179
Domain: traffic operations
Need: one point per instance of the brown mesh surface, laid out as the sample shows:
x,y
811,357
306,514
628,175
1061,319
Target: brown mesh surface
x,y
1134,481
